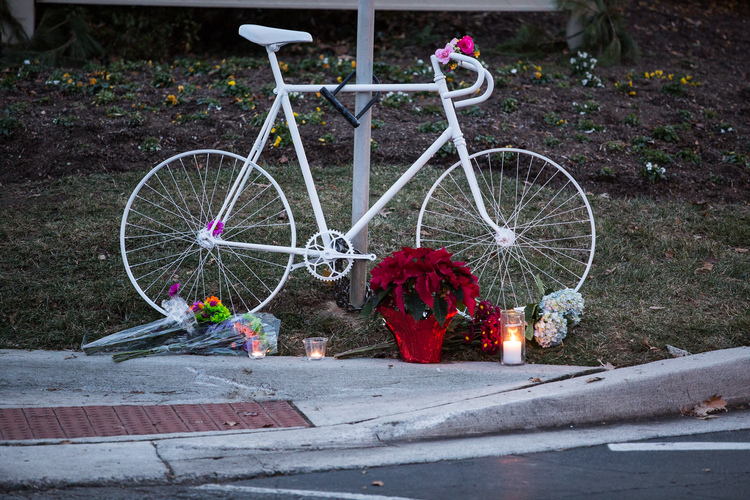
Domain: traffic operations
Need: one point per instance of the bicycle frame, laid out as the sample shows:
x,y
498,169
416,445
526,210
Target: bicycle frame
x,y
282,101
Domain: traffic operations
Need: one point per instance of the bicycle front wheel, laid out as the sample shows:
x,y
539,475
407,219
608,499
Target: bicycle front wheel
x,y
547,227
160,234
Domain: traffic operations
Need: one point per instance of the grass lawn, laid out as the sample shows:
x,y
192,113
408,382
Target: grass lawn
x,y
664,273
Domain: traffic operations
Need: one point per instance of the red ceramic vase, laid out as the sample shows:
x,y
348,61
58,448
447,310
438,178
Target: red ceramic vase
x,y
419,341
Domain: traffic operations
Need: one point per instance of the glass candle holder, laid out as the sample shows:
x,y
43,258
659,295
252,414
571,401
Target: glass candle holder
x,y
256,347
514,338
315,347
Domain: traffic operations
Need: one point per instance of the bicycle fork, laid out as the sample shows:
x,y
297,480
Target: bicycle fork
x,y
504,236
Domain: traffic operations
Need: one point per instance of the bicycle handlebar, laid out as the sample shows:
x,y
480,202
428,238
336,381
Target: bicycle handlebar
x,y
472,65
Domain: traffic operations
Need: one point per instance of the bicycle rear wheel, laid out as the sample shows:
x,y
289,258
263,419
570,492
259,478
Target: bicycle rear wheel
x,y
547,225
160,232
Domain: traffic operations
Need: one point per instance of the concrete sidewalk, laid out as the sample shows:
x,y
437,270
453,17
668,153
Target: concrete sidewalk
x,y
359,404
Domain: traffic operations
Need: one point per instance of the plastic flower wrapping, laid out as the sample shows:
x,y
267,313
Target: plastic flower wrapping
x,y
557,309
206,328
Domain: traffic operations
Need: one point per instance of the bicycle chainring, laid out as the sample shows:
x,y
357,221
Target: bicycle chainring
x,y
328,269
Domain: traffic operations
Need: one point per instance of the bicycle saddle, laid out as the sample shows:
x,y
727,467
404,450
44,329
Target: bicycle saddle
x,y
265,36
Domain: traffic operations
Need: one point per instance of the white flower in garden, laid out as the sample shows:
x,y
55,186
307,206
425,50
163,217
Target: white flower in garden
x,y
584,82
572,60
514,71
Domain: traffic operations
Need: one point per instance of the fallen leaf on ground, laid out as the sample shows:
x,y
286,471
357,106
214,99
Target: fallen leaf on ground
x,y
378,483
656,308
384,212
593,379
608,366
250,414
707,266
740,250
669,254
535,380
676,352
230,424
704,409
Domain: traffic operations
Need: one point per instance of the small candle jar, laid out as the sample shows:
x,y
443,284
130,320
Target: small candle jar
x,y
256,347
315,347
514,338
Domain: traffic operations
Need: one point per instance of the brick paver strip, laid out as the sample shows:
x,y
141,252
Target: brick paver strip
x,y
195,418
74,422
13,424
105,421
165,419
43,423
284,414
253,415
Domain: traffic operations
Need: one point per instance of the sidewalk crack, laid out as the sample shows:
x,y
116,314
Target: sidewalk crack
x,y
170,475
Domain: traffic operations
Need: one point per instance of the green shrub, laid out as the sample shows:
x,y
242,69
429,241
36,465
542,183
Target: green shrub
x,y
448,149
431,109
115,112
136,119
632,120
614,146
666,133
162,77
674,89
509,105
653,155
684,115
9,124
487,140
65,121
552,141
585,125
555,119
433,127
583,138
586,107
150,145
690,155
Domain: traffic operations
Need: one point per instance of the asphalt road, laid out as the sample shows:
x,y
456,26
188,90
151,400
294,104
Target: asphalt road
x,y
707,466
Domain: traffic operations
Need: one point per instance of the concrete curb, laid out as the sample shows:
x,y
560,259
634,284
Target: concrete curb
x,y
467,416
655,389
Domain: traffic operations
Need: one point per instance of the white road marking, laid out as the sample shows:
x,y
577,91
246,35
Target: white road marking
x,y
301,493
679,446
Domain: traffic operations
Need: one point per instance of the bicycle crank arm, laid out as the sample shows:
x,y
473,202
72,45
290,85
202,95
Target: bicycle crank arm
x,y
331,255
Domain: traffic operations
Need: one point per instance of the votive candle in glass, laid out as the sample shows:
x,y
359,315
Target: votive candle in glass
x,y
514,338
315,347
256,347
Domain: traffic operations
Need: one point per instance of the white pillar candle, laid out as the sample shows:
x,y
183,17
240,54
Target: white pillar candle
x,y
512,349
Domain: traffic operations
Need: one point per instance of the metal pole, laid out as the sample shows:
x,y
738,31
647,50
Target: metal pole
x,y
361,182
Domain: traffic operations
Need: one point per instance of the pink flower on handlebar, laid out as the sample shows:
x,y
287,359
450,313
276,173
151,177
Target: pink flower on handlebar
x,y
444,55
466,44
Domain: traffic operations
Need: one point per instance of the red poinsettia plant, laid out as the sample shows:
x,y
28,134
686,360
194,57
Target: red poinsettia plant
x,y
420,282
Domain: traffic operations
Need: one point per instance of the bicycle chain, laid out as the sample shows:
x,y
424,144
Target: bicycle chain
x,y
341,293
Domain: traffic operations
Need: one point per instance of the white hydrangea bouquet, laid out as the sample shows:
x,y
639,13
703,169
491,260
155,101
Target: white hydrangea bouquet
x,y
548,320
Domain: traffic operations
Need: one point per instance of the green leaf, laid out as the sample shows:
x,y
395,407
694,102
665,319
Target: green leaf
x,y
531,315
367,307
440,310
414,304
540,286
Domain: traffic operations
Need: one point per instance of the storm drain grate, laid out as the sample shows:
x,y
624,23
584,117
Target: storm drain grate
x,y
130,420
